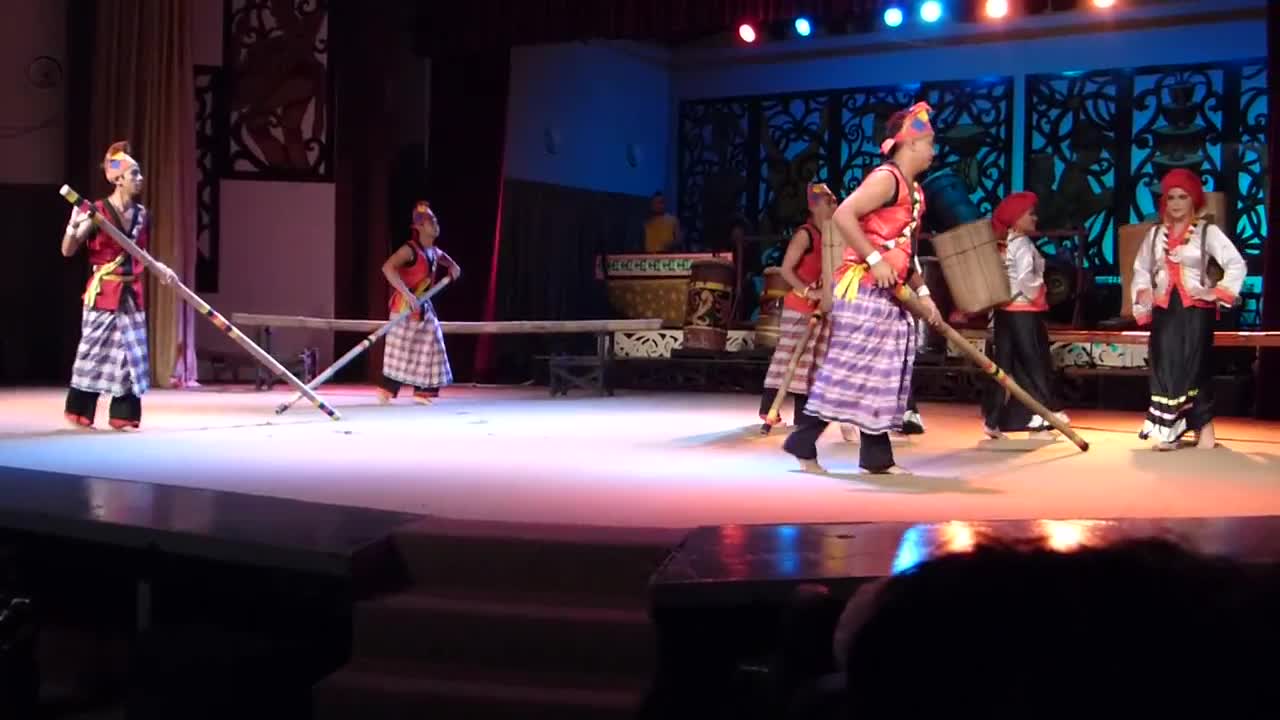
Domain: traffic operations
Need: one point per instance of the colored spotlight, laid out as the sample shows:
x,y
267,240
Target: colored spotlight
x,y
997,8
931,11
1104,4
893,17
747,33
803,27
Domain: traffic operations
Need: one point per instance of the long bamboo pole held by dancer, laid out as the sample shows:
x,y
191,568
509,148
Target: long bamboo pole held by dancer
x,y
185,293
909,301
364,345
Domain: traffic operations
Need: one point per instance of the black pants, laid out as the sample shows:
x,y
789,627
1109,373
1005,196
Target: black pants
x,y
767,398
875,452
1180,354
393,387
1022,351
85,404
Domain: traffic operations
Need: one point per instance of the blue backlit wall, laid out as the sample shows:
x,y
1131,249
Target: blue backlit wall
x,y
593,116
1146,78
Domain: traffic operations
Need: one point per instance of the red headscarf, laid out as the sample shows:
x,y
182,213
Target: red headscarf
x,y
1186,181
1009,210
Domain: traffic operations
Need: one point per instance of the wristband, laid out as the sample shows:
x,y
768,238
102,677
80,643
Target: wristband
x,y
923,291
874,258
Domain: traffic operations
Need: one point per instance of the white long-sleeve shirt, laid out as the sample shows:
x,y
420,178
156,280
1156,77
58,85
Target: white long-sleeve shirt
x,y
1025,266
1152,283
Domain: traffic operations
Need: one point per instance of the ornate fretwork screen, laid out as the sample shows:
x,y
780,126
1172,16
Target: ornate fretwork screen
x,y
1097,143
754,155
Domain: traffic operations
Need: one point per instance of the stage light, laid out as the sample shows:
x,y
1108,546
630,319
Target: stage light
x,y
1104,4
803,27
997,8
931,11
747,33
893,17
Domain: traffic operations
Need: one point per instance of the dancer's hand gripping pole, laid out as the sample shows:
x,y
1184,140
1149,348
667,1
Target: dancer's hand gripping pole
x,y
365,344
912,303
194,300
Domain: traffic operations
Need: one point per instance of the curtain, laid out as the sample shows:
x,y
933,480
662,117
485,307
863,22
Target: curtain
x,y
143,91
464,182
531,22
550,238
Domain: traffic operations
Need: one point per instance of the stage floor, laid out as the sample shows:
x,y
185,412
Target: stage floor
x,y
636,460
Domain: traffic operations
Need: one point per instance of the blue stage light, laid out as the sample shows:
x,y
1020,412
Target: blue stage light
x,y
931,11
893,17
803,27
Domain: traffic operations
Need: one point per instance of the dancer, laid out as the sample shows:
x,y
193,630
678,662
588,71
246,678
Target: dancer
x,y
802,269
1184,269
415,353
112,355
866,376
1021,336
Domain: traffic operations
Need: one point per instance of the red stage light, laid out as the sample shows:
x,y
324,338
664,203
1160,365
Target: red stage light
x,y
747,33
996,9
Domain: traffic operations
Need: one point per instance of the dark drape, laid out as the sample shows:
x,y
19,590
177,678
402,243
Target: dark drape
x,y
1269,365
550,238
503,23
363,54
464,180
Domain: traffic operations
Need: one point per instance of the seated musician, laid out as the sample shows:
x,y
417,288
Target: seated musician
x,y
662,229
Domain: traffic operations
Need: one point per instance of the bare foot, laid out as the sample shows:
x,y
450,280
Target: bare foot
x,y
849,434
1208,438
992,433
812,466
1164,447
384,397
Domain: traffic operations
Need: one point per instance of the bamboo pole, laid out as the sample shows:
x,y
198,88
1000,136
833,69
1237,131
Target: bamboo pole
x,y
912,303
365,344
200,305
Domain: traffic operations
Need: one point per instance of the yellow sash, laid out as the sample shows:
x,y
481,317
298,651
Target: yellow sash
x,y
95,282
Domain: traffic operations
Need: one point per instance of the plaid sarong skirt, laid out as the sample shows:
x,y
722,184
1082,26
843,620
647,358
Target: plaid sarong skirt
x,y
793,324
112,354
415,353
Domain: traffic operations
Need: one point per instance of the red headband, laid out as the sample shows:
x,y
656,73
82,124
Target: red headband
x,y
916,125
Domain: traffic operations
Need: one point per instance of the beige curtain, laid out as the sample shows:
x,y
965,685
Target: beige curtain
x,y
144,92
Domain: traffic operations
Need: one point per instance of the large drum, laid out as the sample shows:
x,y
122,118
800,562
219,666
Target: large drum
x,y
706,315
973,267
769,324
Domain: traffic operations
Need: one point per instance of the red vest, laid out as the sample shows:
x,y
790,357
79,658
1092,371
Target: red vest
x,y
809,270
418,275
111,268
887,224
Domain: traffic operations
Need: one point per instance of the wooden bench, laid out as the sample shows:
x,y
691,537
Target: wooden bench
x,y
583,371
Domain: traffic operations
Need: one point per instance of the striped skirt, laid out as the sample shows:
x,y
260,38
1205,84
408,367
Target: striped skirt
x,y
866,377
415,353
793,325
112,354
